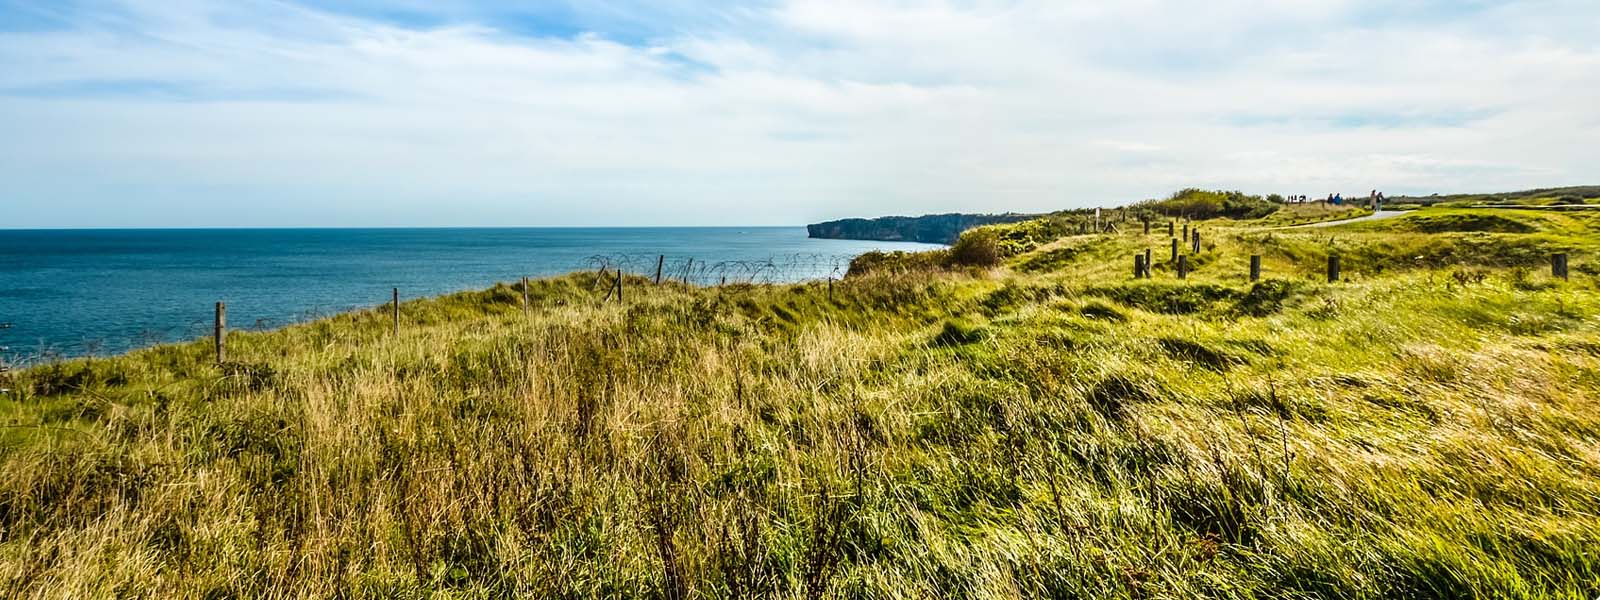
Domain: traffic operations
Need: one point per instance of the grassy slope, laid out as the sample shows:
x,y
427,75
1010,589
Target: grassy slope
x,y
1429,429
1584,194
1311,212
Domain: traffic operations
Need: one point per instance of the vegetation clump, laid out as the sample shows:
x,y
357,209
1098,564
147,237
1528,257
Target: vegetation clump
x,y
979,248
1167,298
1271,296
1200,204
957,332
976,248
1448,222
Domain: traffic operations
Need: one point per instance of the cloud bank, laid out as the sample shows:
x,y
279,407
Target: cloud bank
x,y
269,113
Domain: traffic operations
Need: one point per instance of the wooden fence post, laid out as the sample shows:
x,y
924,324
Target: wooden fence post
x,y
397,312
1558,265
221,333
1171,231
1186,231
1333,268
525,295
619,286
688,269
1174,249
1196,241
660,260
1255,267
830,289
1147,227
1183,267
1138,266
1147,264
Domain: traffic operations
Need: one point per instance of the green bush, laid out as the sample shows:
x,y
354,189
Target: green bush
x,y
898,261
1206,204
1021,238
976,248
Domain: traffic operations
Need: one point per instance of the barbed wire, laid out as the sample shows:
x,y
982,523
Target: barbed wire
x,y
788,268
778,269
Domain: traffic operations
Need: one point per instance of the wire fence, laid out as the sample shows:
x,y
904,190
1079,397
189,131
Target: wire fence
x,y
781,269
22,345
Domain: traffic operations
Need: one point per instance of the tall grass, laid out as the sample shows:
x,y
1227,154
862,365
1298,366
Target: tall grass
x,y
1057,430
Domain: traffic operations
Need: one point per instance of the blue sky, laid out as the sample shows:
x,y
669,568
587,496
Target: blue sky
x,y
184,113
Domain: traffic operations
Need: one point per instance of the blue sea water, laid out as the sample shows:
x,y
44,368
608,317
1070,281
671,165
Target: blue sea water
x,y
80,292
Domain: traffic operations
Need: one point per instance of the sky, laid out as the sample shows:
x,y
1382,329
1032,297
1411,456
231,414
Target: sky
x,y
282,113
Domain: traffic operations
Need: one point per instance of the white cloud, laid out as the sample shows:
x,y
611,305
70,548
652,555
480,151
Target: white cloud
x,y
810,109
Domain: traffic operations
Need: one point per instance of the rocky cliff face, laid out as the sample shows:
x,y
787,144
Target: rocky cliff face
x,y
931,229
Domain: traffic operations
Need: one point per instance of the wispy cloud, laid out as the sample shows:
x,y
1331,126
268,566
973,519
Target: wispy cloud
x,y
192,112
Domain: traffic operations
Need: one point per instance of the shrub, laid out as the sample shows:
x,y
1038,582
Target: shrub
x,y
1020,238
976,248
898,261
979,248
1205,204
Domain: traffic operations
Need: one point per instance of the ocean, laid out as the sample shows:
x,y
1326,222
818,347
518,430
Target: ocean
x,y
66,293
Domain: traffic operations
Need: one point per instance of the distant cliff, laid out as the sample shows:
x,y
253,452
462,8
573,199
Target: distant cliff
x,y
931,229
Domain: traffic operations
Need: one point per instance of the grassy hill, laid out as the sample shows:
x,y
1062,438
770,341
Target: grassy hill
x,y
1572,195
1014,417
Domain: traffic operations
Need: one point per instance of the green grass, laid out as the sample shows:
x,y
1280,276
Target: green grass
x,y
1311,212
1573,195
1047,428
